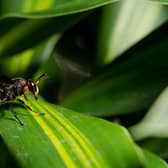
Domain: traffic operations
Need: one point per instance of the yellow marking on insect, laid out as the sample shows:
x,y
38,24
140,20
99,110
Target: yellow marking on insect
x,y
56,142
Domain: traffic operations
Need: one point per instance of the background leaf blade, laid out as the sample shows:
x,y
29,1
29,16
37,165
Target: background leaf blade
x,y
49,8
129,84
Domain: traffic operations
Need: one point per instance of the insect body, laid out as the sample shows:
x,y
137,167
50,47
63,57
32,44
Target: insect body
x,y
12,88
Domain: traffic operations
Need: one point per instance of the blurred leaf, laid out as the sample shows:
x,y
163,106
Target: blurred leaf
x,y
20,63
26,33
161,1
156,145
155,123
125,23
130,83
34,8
63,138
16,30
153,161
75,53
52,68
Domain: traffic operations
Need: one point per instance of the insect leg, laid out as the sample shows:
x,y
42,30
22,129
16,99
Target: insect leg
x,y
24,104
15,115
28,107
25,97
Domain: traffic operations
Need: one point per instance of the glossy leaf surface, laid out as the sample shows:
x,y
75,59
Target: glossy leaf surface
x,y
74,140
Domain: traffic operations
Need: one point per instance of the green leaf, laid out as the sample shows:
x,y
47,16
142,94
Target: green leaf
x,y
155,123
130,83
31,32
156,145
35,56
161,1
32,22
123,20
153,161
48,8
63,138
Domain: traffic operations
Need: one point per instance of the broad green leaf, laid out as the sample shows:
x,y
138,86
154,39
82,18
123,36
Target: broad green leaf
x,y
125,23
48,8
155,122
63,138
130,83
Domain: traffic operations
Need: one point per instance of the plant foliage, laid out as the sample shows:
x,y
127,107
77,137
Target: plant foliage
x,y
107,66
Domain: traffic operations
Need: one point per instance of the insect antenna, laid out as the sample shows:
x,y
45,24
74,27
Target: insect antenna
x,y
41,77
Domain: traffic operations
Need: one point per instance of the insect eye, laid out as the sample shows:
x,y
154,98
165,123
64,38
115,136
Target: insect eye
x,y
33,87
32,84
